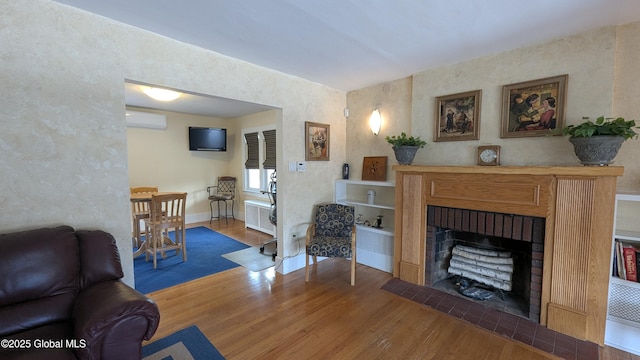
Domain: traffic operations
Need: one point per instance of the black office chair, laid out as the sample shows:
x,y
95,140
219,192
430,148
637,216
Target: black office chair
x,y
273,215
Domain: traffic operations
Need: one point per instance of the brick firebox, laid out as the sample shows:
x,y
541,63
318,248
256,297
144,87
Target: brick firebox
x,y
506,226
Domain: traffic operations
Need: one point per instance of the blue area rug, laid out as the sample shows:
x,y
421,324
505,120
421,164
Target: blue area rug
x,y
184,344
205,248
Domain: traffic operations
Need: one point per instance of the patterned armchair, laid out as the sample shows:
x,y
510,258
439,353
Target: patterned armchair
x,y
333,234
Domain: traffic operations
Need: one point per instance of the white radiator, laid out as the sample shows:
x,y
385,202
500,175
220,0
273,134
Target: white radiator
x,y
256,216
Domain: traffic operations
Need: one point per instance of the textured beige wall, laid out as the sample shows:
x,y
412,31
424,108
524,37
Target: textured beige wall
x,y
625,100
62,126
393,100
588,58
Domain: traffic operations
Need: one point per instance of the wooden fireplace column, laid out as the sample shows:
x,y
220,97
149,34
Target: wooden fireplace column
x,y
576,202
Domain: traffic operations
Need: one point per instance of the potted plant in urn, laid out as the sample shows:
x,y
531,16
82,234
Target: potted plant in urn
x,y
597,143
405,148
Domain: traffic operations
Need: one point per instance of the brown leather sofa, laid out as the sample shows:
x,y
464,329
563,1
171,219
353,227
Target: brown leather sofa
x,y
61,297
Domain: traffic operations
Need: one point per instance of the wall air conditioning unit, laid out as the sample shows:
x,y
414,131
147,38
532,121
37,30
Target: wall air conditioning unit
x,y
146,120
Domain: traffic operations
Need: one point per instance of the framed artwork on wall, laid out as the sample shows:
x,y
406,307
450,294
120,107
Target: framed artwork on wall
x,y
316,141
458,116
374,168
534,108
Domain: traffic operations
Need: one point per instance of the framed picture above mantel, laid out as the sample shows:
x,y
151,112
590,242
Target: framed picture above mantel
x,y
534,108
458,116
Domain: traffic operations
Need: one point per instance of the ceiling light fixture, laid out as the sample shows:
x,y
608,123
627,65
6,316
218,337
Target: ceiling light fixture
x,y
161,94
375,121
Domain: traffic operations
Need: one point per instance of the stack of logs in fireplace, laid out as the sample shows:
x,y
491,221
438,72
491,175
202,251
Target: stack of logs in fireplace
x,y
489,267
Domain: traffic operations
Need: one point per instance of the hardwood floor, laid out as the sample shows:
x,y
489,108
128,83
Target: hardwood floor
x,y
266,315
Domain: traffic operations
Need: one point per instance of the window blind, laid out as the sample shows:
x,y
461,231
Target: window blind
x,y
270,149
253,156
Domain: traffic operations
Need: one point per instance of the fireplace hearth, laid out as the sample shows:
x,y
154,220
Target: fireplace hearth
x,y
501,323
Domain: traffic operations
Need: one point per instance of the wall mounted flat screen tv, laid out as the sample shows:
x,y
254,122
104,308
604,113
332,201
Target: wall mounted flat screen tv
x,y
207,139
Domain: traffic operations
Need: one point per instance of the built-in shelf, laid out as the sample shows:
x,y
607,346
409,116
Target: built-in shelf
x,y
628,235
384,231
374,246
366,204
366,182
623,312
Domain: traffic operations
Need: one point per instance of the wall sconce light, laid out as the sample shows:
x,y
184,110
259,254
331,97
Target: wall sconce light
x,y
375,121
161,94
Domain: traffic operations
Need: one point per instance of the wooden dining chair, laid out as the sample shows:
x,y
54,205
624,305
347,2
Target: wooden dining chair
x,y
139,212
166,213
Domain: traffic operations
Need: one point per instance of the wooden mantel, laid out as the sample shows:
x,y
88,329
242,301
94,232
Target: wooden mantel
x,y
578,205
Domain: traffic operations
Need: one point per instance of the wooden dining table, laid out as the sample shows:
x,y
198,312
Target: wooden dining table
x,y
145,197
142,197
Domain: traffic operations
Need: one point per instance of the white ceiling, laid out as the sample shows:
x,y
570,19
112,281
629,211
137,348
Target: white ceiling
x,y
350,44
191,103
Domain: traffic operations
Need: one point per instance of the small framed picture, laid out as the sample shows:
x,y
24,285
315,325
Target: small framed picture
x,y
374,168
533,108
458,116
316,141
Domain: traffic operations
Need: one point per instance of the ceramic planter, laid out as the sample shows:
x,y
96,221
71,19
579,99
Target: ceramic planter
x,y
405,154
596,150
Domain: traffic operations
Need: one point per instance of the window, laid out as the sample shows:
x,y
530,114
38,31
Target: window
x,y
260,158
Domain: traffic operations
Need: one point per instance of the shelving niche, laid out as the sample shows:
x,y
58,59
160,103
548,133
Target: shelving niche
x,y
374,247
623,312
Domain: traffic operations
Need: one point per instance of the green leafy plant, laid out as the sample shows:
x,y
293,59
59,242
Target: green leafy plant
x,y
403,140
603,126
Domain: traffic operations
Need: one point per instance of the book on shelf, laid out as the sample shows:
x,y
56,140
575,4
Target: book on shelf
x,y
627,258
629,253
638,262
614,271
621,273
